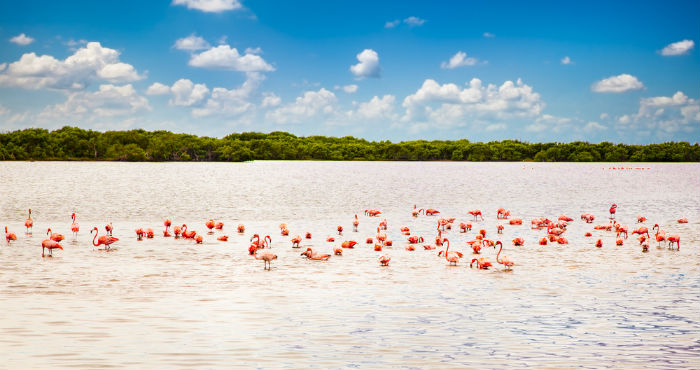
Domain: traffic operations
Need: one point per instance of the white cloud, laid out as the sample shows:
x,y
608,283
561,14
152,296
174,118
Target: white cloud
x,y
158,88
617,84
110,100
270,100
22,39
414,21
368,65
459,60
377,107
604,116
256,50
448,104
678,48
489,35
225,102
2,66
225,57
663,114
392,24
3,110
566,60
88,64
350,89
211,6
185,93
191,43
311,104
593,126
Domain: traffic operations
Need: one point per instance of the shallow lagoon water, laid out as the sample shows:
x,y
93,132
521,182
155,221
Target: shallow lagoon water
x,y
166,303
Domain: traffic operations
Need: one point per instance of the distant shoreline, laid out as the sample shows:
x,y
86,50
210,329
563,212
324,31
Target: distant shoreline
x,y
75,144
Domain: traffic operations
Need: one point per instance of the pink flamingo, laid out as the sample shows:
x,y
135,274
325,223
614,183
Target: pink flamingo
x,y
660,234
295,241
481,263
29,223
505,261
451,257
682,220
9,236
50,245
613,208
310,254
518,241
210,225
106,240
674,239
54,237
431,212
384,260
241,228
188,234
74,226
476,213
355,223
267,257
642,230
109,228
166,232
219,226
641,219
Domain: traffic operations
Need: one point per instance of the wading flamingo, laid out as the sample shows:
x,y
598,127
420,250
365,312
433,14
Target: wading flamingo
x,y
674,239
166,232
74,226
109,228
50,245
565,218
641,219
613,209
431,212
543,241
499,229
188,234
660,234
451,257
682,220
340,230
310,254
219,226
415,239
267,257
9,236
210,225
54,237
518,241
198,239
476,213
241,228
355,223
29,223
349,244
516,221
139,233
599,243
222,238
641,230
105,240
295,241
505,261
177,231
384,260
481,263
502,213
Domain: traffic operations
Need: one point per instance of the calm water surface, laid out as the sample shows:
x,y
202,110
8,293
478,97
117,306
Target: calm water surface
x,y
170,304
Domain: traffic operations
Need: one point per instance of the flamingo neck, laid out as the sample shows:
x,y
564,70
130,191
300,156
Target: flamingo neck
x,y
447,249
499,253
95,237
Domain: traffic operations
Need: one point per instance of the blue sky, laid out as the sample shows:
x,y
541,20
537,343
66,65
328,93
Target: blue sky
x,y
535,71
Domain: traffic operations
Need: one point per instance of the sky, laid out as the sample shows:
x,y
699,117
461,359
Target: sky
x,y
536,71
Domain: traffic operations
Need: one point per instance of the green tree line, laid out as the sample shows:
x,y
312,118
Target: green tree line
x,y
72,143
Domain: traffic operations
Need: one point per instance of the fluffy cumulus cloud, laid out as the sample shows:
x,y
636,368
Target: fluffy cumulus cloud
x,y
191,43
377,108
210,6
308,106
158,88
666,115
186,93
230,102
459,60
368,65
22,39
91,63
108,101
270,100
226,57
450,104
350,89
678,48
617,84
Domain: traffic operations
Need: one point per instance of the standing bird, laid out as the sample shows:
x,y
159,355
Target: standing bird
x,y
29,223
210,225
476,213
267,257
166,232
54,237
50,245
384,260
105,240
451,257
108,228
355,223
505,261
74,226
9,236
613,208
219,226
674,239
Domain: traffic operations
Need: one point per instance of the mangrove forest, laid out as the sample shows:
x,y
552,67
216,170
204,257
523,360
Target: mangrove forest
x,y
72,143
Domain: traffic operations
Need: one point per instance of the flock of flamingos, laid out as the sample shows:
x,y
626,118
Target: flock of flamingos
x,y
260,247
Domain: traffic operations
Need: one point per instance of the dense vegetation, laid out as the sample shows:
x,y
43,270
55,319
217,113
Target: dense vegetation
x,y
71,143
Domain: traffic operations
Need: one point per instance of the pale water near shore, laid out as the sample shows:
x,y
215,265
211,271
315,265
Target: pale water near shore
x,y
166,303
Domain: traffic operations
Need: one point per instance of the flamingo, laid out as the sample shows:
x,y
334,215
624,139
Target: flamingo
x,y
502,213
241,228
476,213
416,212
505,261
384,260
613,208
9,236
50,245
222,238
516,221
106,240
518,241
682,220
198,239
500,229
622,230
565,218
641,219
54,237
139,234
29,223
349,244
308,235
74,226
149,233
674,239
330,239
177,231
599,243
219,226
210,225
431,212
338,251
377,247
641,230
588,218
619,241
295,241
188,234
369,241
481,263
267,257
166,232
355,223
109,228
543,241
451,257
660,234
340,230
310,254
383,224
415,239
372,212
